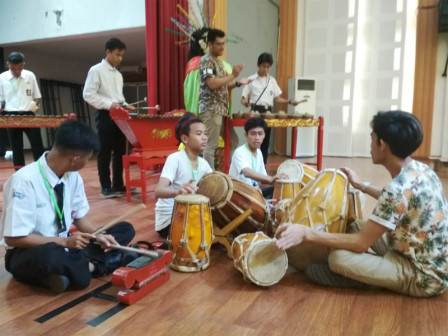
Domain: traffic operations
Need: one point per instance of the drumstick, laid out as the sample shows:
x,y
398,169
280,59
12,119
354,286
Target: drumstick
x,y
138,102
120,218
157,108
139,251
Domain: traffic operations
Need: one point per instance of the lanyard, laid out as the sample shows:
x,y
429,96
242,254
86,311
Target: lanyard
x,y
53,199
251,156
15,86
192,170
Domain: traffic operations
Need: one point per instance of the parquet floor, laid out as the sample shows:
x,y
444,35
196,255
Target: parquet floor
x,y
218,301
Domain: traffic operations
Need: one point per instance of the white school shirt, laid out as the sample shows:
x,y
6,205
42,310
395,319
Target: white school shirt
x,y
243,158
19,92
177,170
28,207
256,87
104,86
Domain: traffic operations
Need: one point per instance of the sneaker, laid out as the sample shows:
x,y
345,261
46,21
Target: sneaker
x,y
122,190
324,276
108,193
8,155
56,283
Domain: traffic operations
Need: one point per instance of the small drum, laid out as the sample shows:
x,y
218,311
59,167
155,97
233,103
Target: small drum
x,y
230,197
292,168
284,189
259,259
191,233
279,211
322,205
356,201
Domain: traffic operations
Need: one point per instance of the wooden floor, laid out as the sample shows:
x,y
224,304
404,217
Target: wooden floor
x,y
218,301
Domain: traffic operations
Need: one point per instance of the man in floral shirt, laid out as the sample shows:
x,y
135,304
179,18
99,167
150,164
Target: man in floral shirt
x,y
407,230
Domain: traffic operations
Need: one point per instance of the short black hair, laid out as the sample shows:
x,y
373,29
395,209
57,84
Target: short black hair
x,y
114,43
401,130
265,58
213,34
184,123
76,136
16,57
255,122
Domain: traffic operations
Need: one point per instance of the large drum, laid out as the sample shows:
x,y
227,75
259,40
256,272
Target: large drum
x,y
321,205
230,197
191,233
259,259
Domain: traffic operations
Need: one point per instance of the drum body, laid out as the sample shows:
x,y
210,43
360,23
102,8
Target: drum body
x,y
230,197
356,201
284,189
259,259
191,233
321,205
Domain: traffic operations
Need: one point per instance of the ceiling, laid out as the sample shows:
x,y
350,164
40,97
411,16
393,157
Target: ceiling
x,y
88,48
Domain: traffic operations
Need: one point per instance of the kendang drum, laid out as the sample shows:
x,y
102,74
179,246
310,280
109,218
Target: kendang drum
x,y
322,205
191,233
290,187
259,259
230,198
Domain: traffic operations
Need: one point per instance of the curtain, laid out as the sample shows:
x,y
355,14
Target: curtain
x,y
166,61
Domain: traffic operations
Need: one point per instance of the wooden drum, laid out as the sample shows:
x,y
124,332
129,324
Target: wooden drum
x,y
321,205
191,233
259,259
230,197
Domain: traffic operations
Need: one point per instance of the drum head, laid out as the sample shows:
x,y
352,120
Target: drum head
x,y
265,263
217,187
191,199
292,168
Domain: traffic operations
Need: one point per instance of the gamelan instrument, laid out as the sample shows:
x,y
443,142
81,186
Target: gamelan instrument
x,y
322,205
142,275
259,259
30,120
191,233
149,134
229,198
286,190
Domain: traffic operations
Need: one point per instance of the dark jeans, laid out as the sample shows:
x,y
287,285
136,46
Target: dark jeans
x,y
265,145
30,265
4,141
112,145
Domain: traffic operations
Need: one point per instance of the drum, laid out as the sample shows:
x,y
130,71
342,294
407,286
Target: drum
x,y
356,201
322,205
230,197
191,233
259,259
309,174
284,189
278,213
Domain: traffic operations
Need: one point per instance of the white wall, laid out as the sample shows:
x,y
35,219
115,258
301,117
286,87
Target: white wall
x,y
439,97
25,20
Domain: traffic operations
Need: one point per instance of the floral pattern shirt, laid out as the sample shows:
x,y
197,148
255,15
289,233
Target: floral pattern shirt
x,y
414,208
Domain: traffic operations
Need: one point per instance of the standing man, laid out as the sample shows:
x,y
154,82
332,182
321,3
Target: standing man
x,y
407,229
214,91
103,90
20,95
261,93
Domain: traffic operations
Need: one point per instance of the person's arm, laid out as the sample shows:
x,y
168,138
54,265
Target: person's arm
x,y
91,95
265,179
281,100
294,234
162,190
215,83
365,187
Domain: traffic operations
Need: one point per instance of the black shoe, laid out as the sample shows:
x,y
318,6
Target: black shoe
x,y
122,190
56,283
108,193
113,260
324,276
